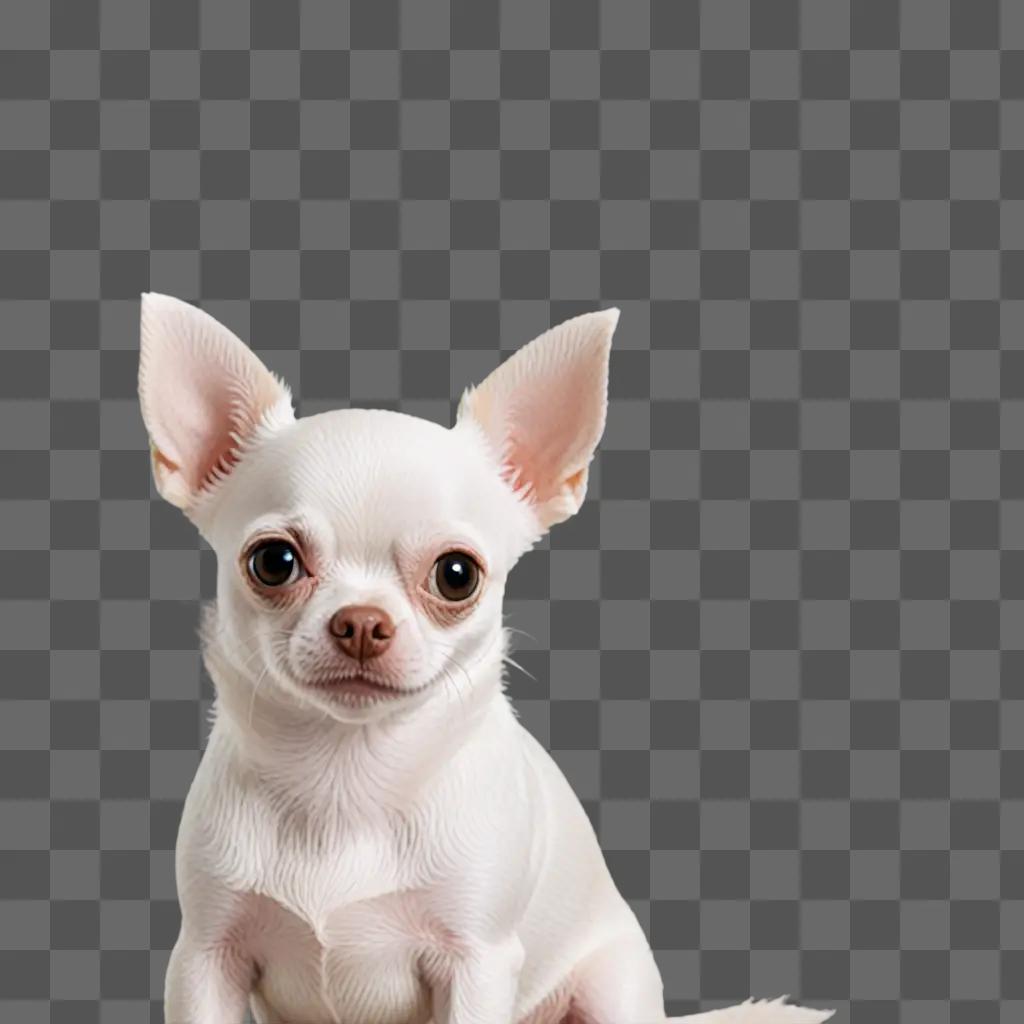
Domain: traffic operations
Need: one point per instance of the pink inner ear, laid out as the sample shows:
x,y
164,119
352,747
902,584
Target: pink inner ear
x,y
202,390
199,398
545,407
543,412
552,429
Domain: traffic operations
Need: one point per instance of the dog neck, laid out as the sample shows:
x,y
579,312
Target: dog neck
x,y
304,754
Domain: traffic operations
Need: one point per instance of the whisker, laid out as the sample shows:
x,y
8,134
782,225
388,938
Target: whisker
x,y
255,690
450,679
449,682
515,664
522,632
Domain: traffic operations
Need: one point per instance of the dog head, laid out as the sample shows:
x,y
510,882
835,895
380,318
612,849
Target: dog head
x,y
362,554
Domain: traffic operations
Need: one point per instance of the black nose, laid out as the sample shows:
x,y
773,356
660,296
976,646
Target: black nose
x,y
362,631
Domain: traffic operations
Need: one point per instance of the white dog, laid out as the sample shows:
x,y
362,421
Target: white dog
x,y
372,837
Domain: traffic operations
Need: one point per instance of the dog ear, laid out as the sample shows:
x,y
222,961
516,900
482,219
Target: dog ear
x,y
203,394
544,412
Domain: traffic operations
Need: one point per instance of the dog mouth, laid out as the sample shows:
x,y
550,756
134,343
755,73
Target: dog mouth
x,y
360,688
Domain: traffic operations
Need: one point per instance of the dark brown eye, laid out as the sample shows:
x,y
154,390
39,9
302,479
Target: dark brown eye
x,y
275,563
455,576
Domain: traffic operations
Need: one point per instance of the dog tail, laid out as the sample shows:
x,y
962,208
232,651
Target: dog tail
x,y
775,1011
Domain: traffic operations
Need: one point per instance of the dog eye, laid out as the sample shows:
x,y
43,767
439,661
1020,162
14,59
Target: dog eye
x,y
455,576
275,563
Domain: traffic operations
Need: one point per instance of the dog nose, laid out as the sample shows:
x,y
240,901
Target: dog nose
x,y
362,631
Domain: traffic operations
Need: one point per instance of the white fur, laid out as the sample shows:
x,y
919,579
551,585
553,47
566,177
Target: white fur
x,y
401,861
757,1012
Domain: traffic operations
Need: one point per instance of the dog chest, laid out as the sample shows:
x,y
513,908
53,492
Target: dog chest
x,y
316,868
363,969
337,936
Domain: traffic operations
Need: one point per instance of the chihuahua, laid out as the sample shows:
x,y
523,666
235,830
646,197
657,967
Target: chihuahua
x,y
372,837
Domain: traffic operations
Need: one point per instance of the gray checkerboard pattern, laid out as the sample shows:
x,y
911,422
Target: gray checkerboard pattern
x,y
778,653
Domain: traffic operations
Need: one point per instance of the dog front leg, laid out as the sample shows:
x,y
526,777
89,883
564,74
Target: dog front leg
x,y
207,985
483,986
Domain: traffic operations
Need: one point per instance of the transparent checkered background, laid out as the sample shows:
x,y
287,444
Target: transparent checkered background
x,y
778,653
